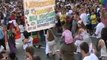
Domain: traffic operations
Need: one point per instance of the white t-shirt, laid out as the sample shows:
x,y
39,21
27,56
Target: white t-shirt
x,y
99,28
86,58
92,56
84,18
1,48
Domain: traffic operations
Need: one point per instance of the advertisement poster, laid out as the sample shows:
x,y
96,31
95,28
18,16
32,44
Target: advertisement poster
x,y
40,14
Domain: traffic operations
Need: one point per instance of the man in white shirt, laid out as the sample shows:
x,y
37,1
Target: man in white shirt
x,y
84,17
99,28
85,52
93,57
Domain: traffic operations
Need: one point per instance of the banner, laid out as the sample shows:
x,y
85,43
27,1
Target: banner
x,y
104,3
40,14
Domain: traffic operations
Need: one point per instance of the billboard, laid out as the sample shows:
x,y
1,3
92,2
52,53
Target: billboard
x,y
40,14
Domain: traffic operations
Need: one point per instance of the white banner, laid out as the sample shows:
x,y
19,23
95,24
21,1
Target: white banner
x,y
40,14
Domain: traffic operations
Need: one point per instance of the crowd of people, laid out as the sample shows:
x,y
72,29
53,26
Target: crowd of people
x,y
77,20
84,19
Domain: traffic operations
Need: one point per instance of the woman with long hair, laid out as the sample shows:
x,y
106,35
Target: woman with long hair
x,y
50,43
103,44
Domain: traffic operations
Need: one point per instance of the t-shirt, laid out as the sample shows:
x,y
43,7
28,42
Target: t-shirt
x,y
93,19
67,36
63,17
86,58
99,28
92,56
84,18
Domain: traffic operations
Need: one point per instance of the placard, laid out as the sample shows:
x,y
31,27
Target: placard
x,y
40,14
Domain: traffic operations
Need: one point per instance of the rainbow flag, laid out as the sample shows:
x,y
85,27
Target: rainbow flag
x,y
104,3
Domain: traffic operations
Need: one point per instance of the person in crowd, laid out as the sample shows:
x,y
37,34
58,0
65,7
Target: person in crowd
x,y
74,23
83,31
85,52
28,40
67,35
84,34
50,43
83,16
103,49
17,33
81,36
58,24
102,44
11,38
2,40
93,18
78,40
29,53
63,17
68,48
99,28
13,18
104,35
22,29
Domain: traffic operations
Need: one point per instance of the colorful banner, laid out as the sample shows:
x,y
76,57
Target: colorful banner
x,y
40,14
104,3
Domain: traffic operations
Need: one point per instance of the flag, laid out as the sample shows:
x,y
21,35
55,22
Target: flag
x,y
104,3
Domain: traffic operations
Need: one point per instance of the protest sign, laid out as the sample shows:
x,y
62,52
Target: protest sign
x,y
40,14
